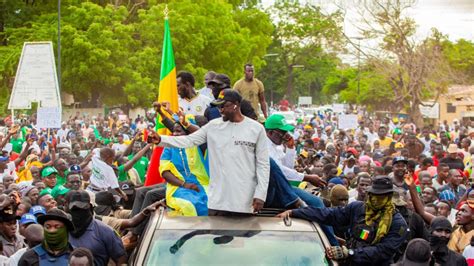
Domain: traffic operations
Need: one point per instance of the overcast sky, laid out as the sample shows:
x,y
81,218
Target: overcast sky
x,y
452,17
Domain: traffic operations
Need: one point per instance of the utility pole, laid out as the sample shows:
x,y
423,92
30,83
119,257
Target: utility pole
x,y
271,77
59,45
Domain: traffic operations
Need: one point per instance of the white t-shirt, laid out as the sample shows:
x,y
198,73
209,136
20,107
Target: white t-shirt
x,y
10,170
62,134
239,163
117,147
103,176
195,106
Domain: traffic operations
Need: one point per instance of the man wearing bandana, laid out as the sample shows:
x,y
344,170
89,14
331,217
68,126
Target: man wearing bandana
x,y
440,233
376,229
55,248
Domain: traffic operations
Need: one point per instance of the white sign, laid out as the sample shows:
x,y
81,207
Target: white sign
x,y
49,117
35,79
348,121
430,112
338,108
305,100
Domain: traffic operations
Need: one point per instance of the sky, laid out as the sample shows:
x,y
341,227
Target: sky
x,y
452,17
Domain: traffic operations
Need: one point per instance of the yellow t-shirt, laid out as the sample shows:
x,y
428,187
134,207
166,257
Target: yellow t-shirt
x,y
385,144
459,240
250,91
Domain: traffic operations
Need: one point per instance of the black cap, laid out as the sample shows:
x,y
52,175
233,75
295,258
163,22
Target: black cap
x,y
417,253
221,79
58,215
381,185
227,95
399,159
79,199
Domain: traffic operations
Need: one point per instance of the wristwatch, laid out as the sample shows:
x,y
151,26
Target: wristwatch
x,y
351,252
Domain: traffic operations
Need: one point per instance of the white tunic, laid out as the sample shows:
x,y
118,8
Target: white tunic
x,y
239,164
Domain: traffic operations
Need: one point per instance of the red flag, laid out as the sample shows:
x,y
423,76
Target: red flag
x,y
153,177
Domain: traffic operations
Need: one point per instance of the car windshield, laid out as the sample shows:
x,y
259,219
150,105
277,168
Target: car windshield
x,y
235,247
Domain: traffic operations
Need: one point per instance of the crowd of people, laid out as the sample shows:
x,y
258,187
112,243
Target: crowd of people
x,y
385,192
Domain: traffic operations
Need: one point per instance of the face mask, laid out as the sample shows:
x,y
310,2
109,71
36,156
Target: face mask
x,y
81,219
378,202
57,240
439,243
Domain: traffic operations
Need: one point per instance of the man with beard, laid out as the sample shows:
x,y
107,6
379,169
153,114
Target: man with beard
x,y
440,233
399,165
91,233
377,230
55,248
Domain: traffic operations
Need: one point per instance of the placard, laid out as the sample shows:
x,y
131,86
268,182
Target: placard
x,y
49,117
430,112
35,79
347,121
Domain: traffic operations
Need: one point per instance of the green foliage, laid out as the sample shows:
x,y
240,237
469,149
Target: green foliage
x,y
460,56
303,36
111,54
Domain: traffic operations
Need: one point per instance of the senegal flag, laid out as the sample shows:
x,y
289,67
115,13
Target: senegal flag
x,y
168,92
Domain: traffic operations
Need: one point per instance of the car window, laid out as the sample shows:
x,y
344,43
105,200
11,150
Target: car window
x,y
235,247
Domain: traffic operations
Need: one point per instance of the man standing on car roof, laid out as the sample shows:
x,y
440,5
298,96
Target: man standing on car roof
x,y
376,229
239,161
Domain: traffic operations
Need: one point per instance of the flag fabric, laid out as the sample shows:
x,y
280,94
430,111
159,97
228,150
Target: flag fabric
x,y
168,92
189,166
364,234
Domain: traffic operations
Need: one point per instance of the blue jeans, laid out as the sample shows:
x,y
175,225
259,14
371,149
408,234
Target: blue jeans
x,y
280,193
316,202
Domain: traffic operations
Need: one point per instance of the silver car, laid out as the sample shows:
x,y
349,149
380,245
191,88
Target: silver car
x,y
216,240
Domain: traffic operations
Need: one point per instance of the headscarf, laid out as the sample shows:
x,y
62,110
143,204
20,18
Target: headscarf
x,y
379,208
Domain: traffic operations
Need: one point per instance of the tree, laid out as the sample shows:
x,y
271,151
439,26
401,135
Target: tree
x,y
415,71
303,36
111,50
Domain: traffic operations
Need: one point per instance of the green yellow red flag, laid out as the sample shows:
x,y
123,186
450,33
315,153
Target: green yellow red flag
x,y
168,92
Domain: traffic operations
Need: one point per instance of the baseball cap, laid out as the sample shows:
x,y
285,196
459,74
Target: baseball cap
x,y
399,159
59,191
28,218
45,191
79,199
48,170
221,79
277,121
37,209
75,168
227,95
4,158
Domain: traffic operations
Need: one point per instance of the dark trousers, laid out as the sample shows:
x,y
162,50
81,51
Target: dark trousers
x,y
144,197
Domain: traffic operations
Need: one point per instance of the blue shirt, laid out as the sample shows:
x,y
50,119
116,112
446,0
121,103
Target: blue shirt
x,y
102,241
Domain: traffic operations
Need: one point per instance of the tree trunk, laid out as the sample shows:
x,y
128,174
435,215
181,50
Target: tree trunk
x,y
415,113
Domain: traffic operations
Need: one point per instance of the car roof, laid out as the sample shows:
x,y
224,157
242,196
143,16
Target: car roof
x,y
232,223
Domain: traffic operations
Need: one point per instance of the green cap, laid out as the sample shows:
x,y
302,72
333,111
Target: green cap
x,y
45,191
48,170
278,121
59,190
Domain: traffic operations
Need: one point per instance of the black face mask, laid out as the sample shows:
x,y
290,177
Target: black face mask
x,y
439,244
81,218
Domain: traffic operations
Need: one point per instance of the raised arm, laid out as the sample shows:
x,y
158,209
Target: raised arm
x,y
417,203
128,165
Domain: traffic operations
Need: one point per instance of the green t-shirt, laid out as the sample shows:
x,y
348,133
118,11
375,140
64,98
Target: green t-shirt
x,y
122,175
141,166
17,144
